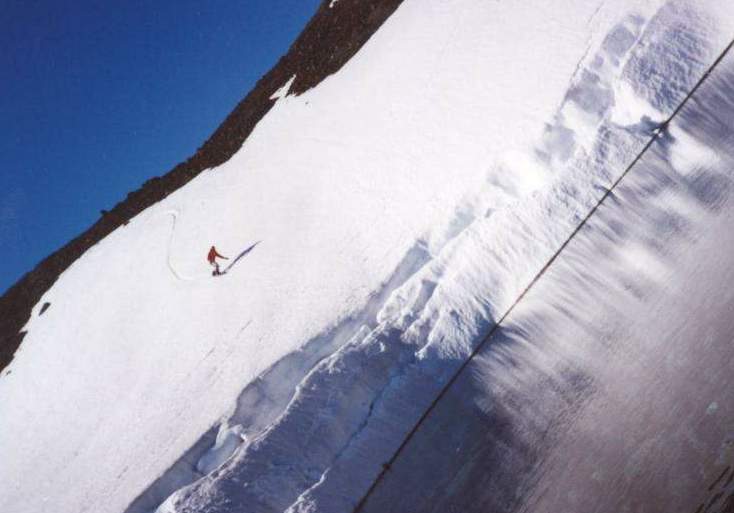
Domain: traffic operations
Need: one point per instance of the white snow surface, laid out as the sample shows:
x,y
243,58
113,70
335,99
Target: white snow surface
x,y
399,208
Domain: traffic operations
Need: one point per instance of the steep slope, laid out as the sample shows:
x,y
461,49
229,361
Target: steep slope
x,y
399,208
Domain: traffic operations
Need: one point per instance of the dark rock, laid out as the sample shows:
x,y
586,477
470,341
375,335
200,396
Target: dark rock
x,y
44,308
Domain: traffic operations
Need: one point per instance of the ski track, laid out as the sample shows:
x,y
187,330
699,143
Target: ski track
x,y
352,392
174,272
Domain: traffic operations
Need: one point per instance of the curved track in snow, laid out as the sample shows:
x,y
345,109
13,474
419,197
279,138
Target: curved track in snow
x,y
174,216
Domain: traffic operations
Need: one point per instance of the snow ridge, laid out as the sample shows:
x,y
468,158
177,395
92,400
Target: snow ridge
x,y
580,381
579,333
266,397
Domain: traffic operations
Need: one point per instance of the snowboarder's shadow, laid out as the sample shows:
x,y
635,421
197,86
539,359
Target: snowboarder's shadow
x,y
238,258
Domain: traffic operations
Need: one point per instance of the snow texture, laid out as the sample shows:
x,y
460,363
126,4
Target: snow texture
x,y
608,388
400,208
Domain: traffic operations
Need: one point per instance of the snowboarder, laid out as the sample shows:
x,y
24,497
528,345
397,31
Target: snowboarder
x,y
212,258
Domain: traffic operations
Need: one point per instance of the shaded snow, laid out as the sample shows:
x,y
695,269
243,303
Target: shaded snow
x,y
608,387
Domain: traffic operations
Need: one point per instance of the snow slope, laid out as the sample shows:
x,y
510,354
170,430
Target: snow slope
x,y
400,207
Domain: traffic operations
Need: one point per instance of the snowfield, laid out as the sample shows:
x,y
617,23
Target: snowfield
x,y
393,214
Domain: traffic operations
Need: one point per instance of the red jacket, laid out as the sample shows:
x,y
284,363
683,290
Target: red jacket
x,y
212,256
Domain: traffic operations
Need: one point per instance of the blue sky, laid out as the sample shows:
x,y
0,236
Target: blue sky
x,y
98,96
